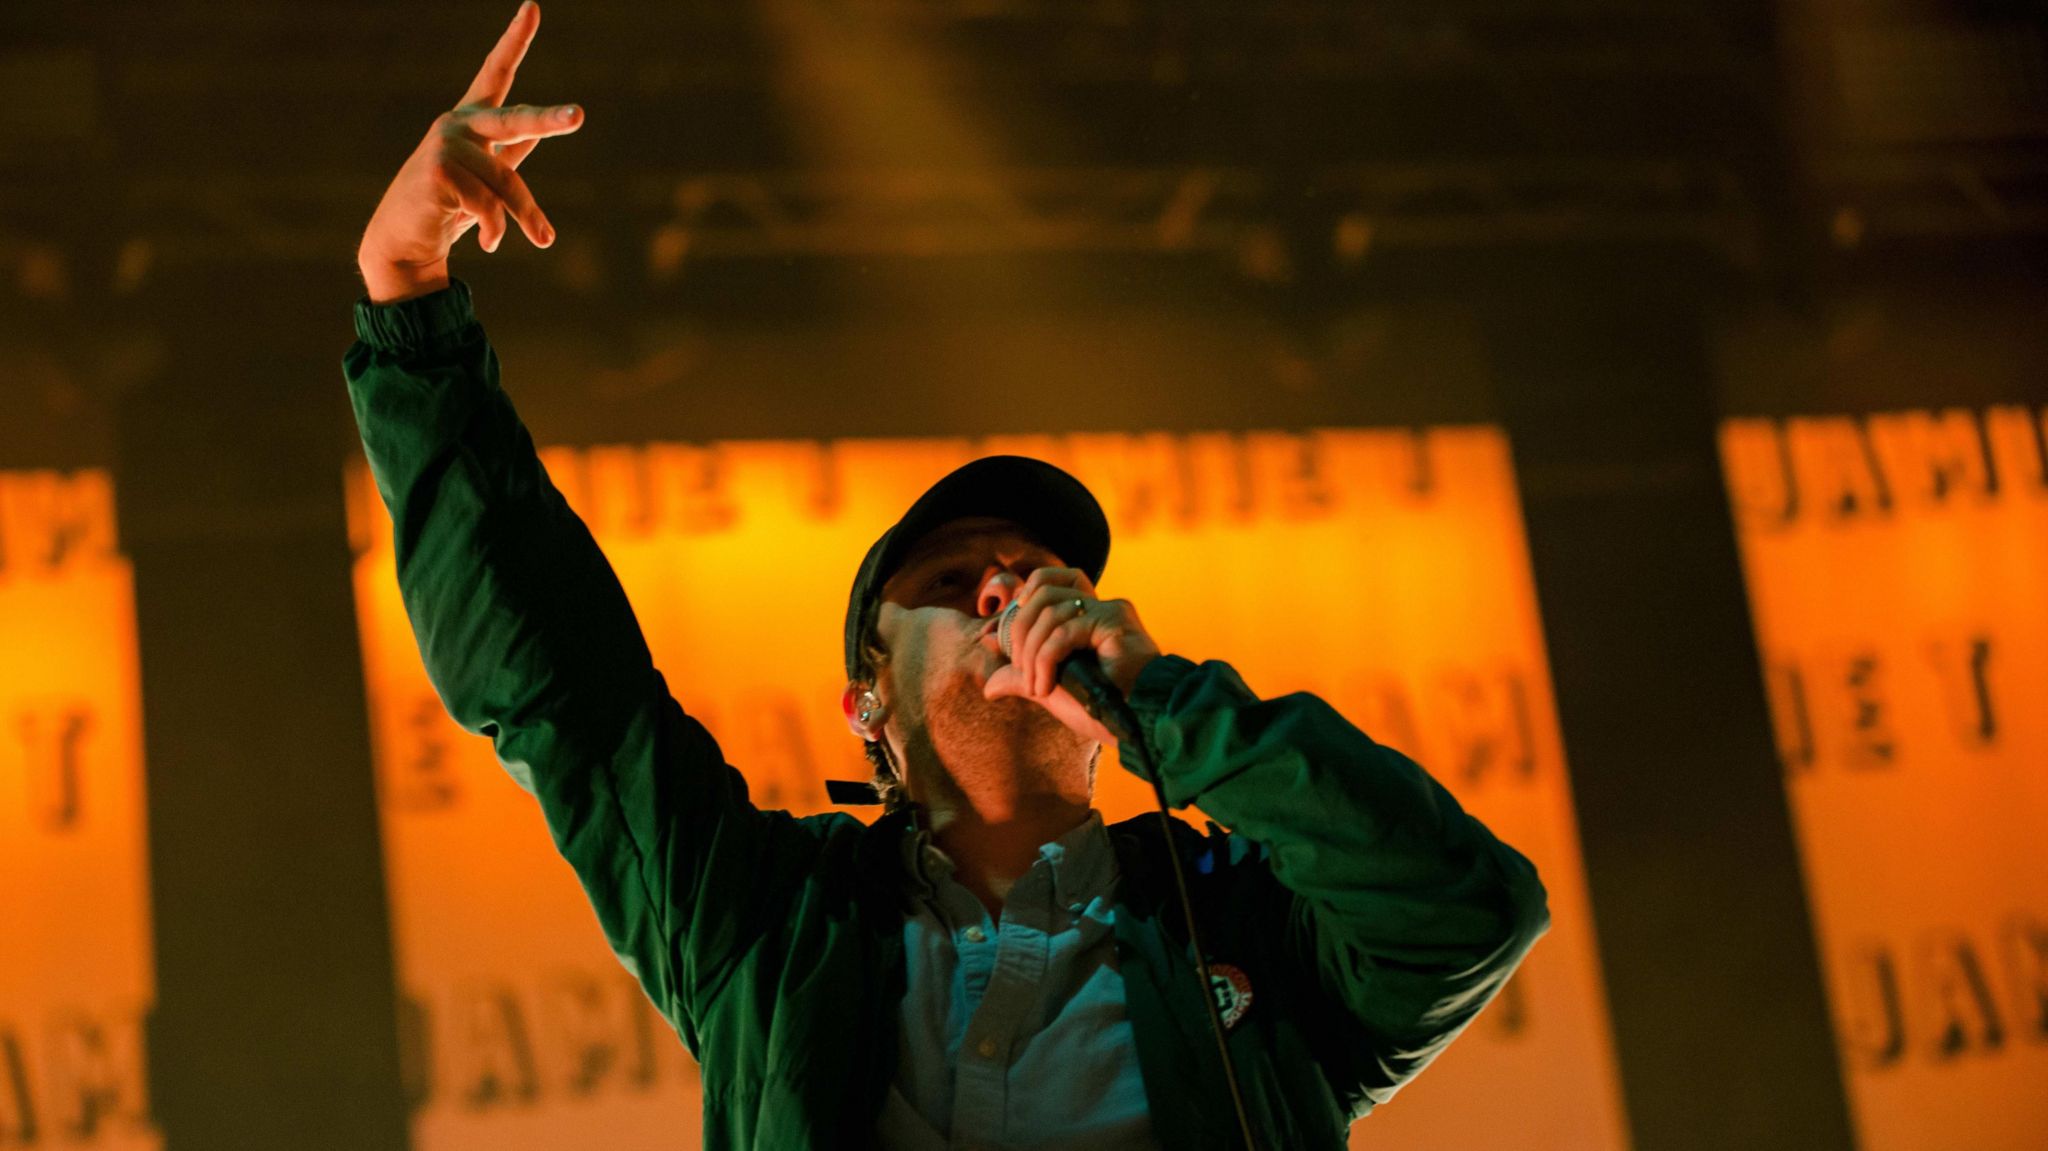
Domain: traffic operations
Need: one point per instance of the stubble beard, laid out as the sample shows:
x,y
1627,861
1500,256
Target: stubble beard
x,y
1007,744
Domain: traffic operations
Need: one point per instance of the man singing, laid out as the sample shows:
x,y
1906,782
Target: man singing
x,y
987,964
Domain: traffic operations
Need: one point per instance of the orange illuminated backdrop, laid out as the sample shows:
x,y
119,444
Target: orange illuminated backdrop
x,y
1385,571
1898,568
76,972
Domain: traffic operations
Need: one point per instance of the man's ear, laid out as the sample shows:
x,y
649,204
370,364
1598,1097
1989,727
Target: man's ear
x,y
864,710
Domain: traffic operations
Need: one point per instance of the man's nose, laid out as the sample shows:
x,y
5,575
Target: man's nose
x,y
997,592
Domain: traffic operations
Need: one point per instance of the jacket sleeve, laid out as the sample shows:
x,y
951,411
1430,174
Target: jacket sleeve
x,y
1410,912
529,640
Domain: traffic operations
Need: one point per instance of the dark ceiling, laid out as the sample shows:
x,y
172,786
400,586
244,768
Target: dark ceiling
x,y
1273,159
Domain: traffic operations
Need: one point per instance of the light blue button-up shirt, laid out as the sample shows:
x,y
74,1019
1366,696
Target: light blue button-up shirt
x,y
1013,1033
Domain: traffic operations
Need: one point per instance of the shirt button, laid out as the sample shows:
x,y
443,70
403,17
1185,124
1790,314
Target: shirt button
x,y
975,935
986,1049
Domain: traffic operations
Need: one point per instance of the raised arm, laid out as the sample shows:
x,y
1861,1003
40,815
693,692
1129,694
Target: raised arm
x,y
524,629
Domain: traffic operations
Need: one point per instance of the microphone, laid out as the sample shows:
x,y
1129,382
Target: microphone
x,y
1081,673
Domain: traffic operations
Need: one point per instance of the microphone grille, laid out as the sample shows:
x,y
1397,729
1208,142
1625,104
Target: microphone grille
x,y
1009,617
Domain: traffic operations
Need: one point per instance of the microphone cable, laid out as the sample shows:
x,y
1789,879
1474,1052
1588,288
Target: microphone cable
x,y
1082,675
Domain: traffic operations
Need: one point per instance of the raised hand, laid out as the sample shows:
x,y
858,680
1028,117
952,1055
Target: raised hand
x,y
464,174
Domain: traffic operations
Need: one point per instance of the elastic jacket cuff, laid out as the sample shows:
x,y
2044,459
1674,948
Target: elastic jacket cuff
x,y
417,324
1151,699
1154,688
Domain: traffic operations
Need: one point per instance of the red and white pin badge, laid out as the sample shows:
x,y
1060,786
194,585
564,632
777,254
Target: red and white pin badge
x,y
1233,991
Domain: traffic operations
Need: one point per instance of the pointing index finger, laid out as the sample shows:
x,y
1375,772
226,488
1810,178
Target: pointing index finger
x,y
494,80
510,125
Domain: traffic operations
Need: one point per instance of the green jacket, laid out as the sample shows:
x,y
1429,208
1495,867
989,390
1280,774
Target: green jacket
x,y
1372,916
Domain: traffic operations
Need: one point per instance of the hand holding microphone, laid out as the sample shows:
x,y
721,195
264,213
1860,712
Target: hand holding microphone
x,y
1070,651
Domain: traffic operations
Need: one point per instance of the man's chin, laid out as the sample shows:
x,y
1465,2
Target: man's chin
x,y
1014,709
1012,716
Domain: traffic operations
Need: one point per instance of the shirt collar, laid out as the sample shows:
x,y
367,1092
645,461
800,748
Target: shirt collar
x,y
1082,860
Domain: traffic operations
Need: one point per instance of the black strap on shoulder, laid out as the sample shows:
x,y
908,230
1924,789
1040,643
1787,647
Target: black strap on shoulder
x,y
852,792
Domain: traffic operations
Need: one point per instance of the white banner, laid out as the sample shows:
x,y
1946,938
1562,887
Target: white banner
x,y
76,967
1898,568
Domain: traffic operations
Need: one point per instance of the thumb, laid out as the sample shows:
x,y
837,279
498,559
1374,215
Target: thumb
x,y
1005,680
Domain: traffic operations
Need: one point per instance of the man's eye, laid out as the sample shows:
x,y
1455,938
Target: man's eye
x,y
943,580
